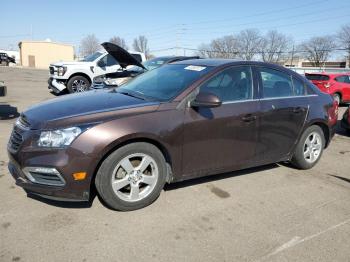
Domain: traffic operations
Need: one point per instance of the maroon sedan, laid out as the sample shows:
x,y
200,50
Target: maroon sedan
x,y
183,120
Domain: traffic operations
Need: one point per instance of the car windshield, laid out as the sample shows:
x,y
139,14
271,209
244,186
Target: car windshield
x,y
92,57
154,63
164,83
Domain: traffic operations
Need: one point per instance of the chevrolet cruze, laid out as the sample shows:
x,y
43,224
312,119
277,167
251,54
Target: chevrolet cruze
x,y
183,120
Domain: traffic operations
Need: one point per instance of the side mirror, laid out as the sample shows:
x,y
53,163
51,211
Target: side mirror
x,y
205,99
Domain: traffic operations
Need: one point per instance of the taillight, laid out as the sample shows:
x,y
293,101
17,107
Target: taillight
x,y
333,113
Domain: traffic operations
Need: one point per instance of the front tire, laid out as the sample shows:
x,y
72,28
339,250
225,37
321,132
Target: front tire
x,y
78,84
309,148
131,177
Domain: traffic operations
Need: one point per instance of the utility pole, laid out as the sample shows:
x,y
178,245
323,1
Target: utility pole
x,y
31,31
292,58
179,37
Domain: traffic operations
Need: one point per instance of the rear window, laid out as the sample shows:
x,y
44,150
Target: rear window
x,y
317,77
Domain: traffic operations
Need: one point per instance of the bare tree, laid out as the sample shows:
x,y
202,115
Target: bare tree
x,y
318,49
249,43
344,39
89,45
225,47
204,50
119,41
140,44
274,47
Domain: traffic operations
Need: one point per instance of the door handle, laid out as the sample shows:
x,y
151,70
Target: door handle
x,y
248,118
297,110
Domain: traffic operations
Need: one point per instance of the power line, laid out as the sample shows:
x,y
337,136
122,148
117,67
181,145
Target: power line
x,y
274,20
260,52
263,13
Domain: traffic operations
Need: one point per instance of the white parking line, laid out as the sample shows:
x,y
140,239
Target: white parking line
x,y
298,240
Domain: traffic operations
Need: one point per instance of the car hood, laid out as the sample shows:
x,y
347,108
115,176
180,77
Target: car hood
x,y
123,57
69,63
87,107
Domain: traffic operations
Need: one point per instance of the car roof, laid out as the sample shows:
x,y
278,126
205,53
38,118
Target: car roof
x,y
223,62
206,62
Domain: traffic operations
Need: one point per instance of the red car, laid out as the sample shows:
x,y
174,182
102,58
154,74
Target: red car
x,y
337,85
345,123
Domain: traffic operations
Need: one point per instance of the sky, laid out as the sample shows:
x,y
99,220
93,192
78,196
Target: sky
x,y
166,24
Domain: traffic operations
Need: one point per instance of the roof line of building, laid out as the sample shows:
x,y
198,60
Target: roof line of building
x,y
46,42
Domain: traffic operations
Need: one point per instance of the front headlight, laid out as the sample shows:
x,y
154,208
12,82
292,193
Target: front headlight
x,y
58,138
61,70
111,82
99,79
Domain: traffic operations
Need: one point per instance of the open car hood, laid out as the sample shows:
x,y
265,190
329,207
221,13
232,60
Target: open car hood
x,y
123,57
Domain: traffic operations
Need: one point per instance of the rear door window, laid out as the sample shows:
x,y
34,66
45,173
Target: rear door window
x,y
343,79
275,83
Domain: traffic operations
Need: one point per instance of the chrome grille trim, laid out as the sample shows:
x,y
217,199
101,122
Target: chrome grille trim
x,y
44,176
16,140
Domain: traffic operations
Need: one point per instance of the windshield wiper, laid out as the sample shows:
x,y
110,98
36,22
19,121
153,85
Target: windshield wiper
x,y
131,94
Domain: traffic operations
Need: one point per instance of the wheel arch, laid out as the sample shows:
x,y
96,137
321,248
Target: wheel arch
x,y
325,129
129,140
338,92
80,74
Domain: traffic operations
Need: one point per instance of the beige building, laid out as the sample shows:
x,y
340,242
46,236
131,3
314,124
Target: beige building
x,y
40,54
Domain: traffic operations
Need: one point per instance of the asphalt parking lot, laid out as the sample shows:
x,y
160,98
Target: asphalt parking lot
x,y
271,213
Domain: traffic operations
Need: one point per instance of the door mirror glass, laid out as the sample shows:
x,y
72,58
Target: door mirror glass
x,y
206,99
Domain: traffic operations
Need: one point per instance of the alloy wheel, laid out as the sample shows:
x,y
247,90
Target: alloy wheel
x,y
312,147
135,177
79,85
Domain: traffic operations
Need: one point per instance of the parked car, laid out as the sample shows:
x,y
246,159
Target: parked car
x,y
182,120
337,85
345,123
77,76
3,89
130,68
6,60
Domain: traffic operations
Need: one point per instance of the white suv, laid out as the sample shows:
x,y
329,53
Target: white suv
x,y
77,76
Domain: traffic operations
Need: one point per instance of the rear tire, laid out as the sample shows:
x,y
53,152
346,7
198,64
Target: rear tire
x,y
131,177
337,98
309,148
78,84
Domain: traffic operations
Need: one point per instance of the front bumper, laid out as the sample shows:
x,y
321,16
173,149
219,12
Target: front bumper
x,y
65,161
56,85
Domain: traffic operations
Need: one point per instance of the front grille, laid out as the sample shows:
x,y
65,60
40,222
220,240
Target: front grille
x,y
16,140
23,122
44,176
52,70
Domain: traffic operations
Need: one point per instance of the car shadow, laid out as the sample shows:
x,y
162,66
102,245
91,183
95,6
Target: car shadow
x,y
8,112
64,92
211,178
341,131
167,187
62,204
